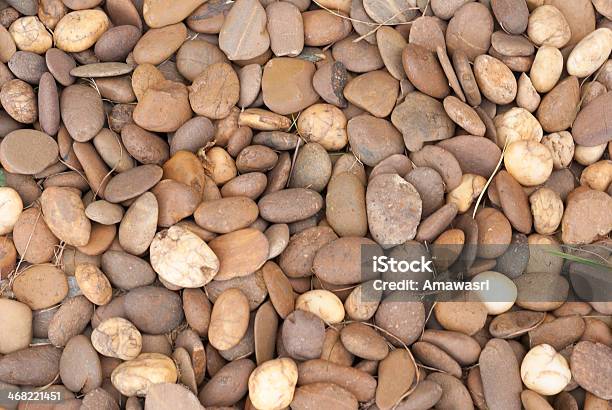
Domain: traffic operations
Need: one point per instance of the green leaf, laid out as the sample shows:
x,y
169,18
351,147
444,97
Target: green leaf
x,y
2,178
578,259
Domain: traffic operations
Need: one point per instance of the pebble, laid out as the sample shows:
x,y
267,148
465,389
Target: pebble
x,y
588,363
374,92
215,91
101,70
511,14
234,39
495,79
557,110
274,207
27,66
590,127
359,57
164,107
464,116
287,86
511,45
424,71
60,64
162,13
454,393
390,11
586,217
8,45
104,212
430,187
514,202
390,46
418,128
426,31
116,43
64,213
79,30
157,44
501,379
590,53
27,151
286,29
40,247
541,291
470,30
82,112
383,191
395,375
373,139
132,183
19,101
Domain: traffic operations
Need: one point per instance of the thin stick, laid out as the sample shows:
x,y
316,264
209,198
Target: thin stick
x,y
523,331
384,23
417,375
484,190
297,147
11,276
342,16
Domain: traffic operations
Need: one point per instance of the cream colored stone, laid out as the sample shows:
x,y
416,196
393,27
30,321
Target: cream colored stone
x,y
31,35
545,371
135,377
181,258
464,195
322,303
547,210
546,68
590,53
517,124
272,384
529,162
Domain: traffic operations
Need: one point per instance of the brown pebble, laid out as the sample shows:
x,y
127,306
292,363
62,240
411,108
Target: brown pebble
x,y
132,183
27,151
424,71
287,85
374,92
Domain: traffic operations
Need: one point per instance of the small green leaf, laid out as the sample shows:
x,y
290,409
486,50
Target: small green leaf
x,y
2,178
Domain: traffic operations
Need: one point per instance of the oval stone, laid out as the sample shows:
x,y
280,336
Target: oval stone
x,y
132,183
470,30
41,286
243,35
116,43
590,363
139,224
82,112
591,126
373,139
424,71
290,205
95,70
512,15
394,209
27,151
501,377
558,108
64,213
